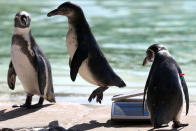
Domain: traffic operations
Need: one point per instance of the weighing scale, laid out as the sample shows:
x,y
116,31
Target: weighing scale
x,y
129,107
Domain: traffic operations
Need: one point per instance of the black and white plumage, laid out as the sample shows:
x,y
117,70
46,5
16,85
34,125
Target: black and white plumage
x,y
29,63
164,88
85,54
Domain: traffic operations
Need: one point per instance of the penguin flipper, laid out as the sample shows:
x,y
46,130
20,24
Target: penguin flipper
x,y
145,90
80,55
11,76
146,87
186,93
41,69
185,88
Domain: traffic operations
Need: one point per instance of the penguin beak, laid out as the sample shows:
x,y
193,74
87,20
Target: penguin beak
x,y
52,13
145,61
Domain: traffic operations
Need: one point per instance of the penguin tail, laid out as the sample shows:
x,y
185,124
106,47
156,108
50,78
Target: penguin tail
x,y
119,82
51,98
122,84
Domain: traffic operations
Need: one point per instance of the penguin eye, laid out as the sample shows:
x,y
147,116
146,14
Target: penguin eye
x,y
24,19
150,55
66,10
63,9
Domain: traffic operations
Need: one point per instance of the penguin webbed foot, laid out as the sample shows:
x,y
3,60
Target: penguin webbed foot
x,y
36,106
27,106
160,126
22,106
28,103
97,93
178,124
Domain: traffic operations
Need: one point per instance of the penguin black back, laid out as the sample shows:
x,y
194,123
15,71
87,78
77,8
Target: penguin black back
x,y
164,87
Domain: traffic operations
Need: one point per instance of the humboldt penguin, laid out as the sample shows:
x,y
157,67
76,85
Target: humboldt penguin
x,y
29,63
164,88
85,54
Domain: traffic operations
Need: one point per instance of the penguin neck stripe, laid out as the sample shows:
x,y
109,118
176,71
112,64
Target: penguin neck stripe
x,y
24,13
157,51
21,31
26,32
151,51
162,50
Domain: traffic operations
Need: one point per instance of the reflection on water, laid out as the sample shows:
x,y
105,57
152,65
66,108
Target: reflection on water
x,y
123,29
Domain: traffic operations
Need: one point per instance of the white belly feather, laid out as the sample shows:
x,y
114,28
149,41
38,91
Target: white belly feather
x,y
24,70
71,42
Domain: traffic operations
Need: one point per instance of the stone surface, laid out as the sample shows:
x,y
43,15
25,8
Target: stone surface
x,y
75,117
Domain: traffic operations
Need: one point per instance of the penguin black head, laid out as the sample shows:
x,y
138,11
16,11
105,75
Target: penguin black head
x,y
66,9
22,20
152,51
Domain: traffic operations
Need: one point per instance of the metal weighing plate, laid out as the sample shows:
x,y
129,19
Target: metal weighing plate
x,y
129,111
126,107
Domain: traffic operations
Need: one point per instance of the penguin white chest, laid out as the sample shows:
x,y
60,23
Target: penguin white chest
x,y
72,45
71,42
24,70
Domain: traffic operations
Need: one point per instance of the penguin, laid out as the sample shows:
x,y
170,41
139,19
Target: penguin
x,y
85,55
29,63
164,88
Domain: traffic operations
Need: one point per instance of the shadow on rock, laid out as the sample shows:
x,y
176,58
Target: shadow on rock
x,y
94,124
17,112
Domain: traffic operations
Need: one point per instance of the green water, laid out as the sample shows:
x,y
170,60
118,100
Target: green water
x,y
124,30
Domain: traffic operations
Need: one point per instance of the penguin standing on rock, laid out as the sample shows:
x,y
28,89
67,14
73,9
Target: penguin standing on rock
x,y
164,88
29,63
85,54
